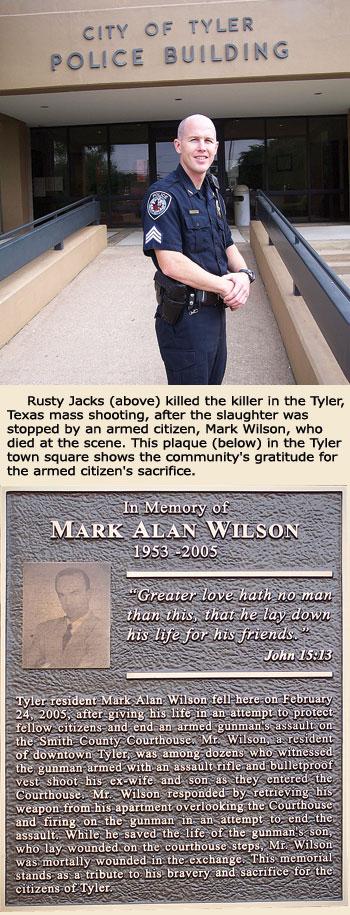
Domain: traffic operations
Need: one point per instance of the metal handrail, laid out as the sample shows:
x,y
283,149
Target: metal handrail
x,y
23,244
47,217
326,295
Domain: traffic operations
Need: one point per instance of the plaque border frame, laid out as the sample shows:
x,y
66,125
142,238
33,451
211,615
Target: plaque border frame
x,y
227,908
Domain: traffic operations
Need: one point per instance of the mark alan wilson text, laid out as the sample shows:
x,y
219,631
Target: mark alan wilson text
x,y
71,529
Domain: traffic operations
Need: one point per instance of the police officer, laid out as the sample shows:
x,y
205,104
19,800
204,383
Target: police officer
x,y
199,270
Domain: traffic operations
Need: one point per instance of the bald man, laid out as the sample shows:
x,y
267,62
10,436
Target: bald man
x,y
200,273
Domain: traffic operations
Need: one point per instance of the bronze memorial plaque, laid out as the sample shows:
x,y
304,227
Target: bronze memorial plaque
x,y
173,697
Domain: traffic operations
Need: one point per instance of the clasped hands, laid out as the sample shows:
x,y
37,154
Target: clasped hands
x,y
235,290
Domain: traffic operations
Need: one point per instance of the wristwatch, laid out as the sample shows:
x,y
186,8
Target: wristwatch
x,y
250,273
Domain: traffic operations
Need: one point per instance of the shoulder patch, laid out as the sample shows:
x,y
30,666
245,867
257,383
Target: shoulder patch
x,y
158,203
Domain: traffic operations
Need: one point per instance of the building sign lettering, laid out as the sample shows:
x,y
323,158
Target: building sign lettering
x,y
227,52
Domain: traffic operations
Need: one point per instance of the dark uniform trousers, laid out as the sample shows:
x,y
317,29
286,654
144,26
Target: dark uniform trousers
x,y
177,216
194,349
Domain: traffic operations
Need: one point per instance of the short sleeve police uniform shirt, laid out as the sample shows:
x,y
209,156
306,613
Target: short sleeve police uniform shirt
x,y
179,217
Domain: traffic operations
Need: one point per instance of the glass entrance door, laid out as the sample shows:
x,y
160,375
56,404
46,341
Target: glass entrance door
x,y
287,165
89,164
244,158
164,158
129,173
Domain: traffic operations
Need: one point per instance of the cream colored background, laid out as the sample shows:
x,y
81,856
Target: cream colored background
x,y
218,476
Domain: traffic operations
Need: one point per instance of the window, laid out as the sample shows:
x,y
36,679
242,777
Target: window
x,y
49,170
129,172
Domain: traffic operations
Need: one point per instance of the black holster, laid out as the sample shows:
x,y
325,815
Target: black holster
x,y
171,297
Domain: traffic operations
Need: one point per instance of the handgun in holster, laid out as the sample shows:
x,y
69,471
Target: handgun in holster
x,y
171,297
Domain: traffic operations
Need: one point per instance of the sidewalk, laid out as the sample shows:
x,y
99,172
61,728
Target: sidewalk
x,y
100,329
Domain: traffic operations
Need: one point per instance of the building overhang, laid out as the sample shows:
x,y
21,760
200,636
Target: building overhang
x,y
224,100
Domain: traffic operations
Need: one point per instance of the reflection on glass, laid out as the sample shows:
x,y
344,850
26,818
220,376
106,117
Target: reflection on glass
x,y
89,172
244,162
70,163
328,153
286,163
167,158
293,206
286,127
49,170
88,161
243,128
329,207
243,165
129,180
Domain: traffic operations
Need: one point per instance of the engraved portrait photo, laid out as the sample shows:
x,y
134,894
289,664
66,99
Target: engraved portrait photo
x,y
66,615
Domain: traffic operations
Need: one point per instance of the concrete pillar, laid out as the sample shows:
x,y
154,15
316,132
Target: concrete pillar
x,y
15,173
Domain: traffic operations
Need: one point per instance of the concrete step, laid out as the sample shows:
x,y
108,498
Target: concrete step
x,y
340,265
335,255
332,246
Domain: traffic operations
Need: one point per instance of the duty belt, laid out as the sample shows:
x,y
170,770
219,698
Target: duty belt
x,y
197,298
207,298
174,297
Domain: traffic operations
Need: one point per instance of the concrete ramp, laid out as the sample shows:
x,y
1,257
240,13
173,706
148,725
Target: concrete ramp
x,y
311,358
100,328
26,291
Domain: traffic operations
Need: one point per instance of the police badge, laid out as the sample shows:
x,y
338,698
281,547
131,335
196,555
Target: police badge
x,y
158,203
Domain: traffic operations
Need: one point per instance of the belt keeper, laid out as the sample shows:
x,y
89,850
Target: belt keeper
x,y
192,306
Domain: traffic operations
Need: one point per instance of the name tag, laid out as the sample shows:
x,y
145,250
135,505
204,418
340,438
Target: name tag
x,y
193,212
